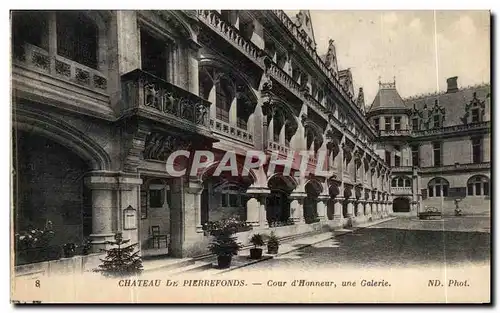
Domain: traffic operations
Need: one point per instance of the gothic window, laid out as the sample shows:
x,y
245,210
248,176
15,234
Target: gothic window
x,y
436,147
475,115
414,123
437,121
438,187
400,182
397,161
478,186
394,182
77,38
407,182
476,150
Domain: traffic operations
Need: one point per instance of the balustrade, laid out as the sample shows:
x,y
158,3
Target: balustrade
x,y
38,58
143,90
231,130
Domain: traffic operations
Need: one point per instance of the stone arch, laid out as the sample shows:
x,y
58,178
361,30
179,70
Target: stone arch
x,y
290,182
254,176
401,204
231,71
315,186
478,185
64,134
313,132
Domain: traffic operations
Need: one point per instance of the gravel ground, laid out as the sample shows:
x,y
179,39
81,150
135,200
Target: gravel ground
x,y
401,242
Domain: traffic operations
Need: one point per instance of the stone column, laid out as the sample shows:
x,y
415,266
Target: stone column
x,y
111,194
193,201
360,207
321,207
337,208
193,69
253,212
256,208
368,208
297,207
350,207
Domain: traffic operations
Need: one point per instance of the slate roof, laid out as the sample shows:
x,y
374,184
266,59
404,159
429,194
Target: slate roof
x,y
387,97
454,103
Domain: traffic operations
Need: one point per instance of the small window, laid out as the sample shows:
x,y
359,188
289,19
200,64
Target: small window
x,y
437,121
376,123
388,125
397,161
156,198
224,202
476,150
234,200
475,115
414,123
486,188
397,123
400,182
437,153
431,191
77,38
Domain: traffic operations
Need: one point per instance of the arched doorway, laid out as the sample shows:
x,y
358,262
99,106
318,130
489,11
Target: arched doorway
x,y
49,192
278,202
401,205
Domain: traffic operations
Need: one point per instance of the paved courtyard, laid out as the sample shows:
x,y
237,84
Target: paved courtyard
x,y
401,242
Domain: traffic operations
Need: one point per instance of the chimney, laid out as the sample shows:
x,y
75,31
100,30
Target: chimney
x,y
452,84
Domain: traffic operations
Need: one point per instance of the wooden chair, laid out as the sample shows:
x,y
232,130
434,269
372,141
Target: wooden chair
x,y
157,236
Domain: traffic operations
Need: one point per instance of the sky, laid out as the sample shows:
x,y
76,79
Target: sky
x,y
407,45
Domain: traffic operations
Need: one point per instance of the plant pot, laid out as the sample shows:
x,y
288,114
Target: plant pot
x,y
224,261
255,253
272,249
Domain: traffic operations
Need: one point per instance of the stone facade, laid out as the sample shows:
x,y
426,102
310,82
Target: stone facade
x,y
443,141
126,89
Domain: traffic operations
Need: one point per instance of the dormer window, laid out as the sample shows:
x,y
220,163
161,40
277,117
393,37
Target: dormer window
x,y
437,121
414,123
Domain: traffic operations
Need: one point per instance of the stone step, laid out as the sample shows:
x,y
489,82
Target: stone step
x,y
166,264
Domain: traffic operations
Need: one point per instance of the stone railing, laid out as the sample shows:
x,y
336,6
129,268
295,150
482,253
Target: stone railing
x,y
452,129
143,90
38,58
397,169
456,167
231,131
402,190
213,19
394,132
302,39
274,146
284,78
436,131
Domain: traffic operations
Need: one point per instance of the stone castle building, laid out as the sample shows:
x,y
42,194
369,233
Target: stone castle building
x,y
101,99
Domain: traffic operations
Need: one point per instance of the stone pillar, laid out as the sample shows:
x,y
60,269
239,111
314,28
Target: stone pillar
x,y
321,207
368,208
360,207
337,208
193,68
253,212
256,208
128,41
186,228
297,207
111,194
350,207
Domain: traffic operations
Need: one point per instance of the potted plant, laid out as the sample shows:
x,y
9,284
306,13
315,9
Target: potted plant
x,y
273,244
224,244
258,241
69,250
